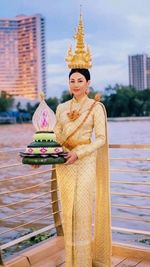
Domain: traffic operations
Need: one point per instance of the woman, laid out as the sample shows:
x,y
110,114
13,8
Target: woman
x,y
86,167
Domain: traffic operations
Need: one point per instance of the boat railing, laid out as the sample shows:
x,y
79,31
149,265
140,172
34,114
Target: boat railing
x,y
136,196
30,202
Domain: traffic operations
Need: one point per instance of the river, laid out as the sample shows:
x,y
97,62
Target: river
x,y
120,132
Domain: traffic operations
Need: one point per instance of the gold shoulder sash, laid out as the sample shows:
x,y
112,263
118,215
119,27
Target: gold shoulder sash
x,y
80,125
102,244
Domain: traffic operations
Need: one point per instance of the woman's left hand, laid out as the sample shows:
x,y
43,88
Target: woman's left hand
x,y
71,158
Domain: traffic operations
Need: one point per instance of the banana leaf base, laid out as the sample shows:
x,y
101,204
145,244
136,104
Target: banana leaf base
x,y
43,161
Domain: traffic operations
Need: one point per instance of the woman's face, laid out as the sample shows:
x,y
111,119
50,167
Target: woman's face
x,y
78,84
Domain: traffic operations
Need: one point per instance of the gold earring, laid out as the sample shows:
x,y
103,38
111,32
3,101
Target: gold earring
x,y
87,91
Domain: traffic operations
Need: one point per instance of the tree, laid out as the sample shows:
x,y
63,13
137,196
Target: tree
x,y
6,101
18,106
65,96
123,101
52,103
92,92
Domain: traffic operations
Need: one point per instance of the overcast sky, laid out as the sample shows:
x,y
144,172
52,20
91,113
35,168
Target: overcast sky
x,y
113,29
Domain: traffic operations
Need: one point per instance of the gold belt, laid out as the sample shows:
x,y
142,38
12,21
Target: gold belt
x,y
70,144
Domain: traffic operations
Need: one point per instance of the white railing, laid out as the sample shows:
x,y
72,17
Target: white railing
x,y
30,200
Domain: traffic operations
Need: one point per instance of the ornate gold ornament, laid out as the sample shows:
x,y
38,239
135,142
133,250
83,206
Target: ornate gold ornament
x,y
81,58
74,114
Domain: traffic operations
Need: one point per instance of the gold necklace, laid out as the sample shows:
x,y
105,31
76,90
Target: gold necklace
x,y
74,114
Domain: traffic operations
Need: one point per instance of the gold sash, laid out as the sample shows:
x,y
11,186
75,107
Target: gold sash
x,y
68,143
72,143
102,245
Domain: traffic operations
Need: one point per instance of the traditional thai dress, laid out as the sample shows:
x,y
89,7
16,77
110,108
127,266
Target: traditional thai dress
x,y
77,183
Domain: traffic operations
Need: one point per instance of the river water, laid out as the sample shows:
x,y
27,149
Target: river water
x,y
123,132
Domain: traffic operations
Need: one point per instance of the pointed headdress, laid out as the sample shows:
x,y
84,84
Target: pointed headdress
x,y
81,58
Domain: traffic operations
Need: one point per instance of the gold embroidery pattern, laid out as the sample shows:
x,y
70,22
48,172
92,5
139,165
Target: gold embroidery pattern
x,y
76,183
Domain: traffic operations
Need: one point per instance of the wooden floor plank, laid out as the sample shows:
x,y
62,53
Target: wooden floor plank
x,y
116,260
61,265
119,261
129,262
143,264
56,260
45,263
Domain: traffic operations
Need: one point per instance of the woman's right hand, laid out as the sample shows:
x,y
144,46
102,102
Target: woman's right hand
x,y
35,166
71,157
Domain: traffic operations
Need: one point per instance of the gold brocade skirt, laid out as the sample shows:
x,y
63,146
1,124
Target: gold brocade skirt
x,y
76,184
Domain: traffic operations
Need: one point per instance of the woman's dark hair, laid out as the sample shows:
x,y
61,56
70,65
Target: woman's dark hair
x,y
84,72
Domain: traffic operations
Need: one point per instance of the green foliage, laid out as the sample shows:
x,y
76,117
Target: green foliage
x,y
65,96
29,242
52,103
31,108
6,101
92,92
122,101
145,241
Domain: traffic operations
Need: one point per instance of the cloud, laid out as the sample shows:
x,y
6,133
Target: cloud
x,y
113,29
139,21
57,48
57,71
139,26
56,79
103,75
110,63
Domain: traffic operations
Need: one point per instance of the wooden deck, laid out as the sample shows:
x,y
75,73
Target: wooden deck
x,y
122,262
51,253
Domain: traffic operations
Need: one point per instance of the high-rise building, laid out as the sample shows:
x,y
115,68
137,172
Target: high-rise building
x,y
148,71
139,71
22,56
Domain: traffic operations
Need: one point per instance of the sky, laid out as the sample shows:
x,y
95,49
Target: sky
x,y
113,29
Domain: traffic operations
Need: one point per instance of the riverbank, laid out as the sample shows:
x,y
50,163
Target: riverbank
x,y
147,118
118,119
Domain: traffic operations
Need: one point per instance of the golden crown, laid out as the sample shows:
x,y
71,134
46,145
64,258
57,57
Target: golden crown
x,y
81,58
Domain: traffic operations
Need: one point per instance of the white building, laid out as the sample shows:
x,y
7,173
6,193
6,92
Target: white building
x,y
22,56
